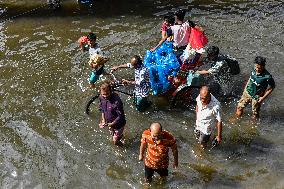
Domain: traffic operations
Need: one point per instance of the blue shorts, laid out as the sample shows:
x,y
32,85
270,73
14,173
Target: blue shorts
x,y
141,103
93,77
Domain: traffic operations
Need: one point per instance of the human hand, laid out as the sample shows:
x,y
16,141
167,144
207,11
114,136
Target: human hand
x,y
170,78
152,50
114,68
124,82
175,165
219,139
141,157
103,124
260,100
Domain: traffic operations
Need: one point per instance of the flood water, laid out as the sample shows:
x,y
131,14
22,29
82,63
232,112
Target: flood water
x,y
46,139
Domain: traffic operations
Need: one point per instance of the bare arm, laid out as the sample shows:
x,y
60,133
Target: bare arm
x,y
175,154
159,44
143,147
202,72
266,94
114,68
219,134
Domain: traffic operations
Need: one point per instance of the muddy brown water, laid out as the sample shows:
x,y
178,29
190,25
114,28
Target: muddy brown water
x,y
46,139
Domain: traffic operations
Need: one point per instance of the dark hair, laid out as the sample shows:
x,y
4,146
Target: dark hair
x,y
208,88
180,14
106,85
92,36
169,32
213,51
191,24
260,60
138,59
170,19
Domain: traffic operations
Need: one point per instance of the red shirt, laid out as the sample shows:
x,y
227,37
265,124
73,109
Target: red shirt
x,y
157,154
164,27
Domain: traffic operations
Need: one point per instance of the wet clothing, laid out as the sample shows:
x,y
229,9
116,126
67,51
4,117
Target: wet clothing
x,y
219,72
141,103
95,74
201,137
116,134
113,110
149,172
258,83
181,33
245,99
206,116
157,154
164,27
256,87
142,81
95,50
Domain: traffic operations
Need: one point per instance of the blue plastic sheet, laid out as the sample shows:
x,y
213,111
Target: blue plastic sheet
x,y
161,63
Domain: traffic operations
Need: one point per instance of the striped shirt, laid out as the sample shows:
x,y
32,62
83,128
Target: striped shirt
x,y
157,154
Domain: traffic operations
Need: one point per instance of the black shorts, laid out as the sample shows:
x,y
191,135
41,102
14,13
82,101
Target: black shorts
x,y
149,172
201,137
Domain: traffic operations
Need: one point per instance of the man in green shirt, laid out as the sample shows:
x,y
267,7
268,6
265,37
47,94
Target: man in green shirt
x,y
258,87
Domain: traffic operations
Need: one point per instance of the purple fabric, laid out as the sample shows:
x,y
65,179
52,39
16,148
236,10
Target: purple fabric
x,y
113,110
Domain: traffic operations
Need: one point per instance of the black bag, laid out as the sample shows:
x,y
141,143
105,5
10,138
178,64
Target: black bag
x,y
233,65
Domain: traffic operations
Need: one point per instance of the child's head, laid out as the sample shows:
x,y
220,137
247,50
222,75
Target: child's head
x,y
92,38
169,20
97,60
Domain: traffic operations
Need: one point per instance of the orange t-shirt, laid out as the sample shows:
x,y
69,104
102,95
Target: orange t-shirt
x,y
157,155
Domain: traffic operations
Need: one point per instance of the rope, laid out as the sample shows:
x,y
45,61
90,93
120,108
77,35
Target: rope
x,y
29,11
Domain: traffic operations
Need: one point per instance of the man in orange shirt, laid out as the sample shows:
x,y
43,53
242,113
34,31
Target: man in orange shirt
x,y
157,142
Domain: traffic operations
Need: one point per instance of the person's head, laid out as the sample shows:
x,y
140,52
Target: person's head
x,y
212,52
179,15
136,61
92,38
259,64
205,95
156,131
169,20
105,90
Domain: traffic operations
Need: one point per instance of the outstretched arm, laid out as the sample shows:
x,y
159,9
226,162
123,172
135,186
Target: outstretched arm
x,y
114,68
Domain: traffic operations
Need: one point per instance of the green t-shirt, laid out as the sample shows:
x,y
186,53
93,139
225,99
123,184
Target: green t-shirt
x,y
258,83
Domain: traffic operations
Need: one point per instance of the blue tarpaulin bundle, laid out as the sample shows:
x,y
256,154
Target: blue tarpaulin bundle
x,y
161,64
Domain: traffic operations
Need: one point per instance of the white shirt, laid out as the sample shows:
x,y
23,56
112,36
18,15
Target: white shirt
x,y
207,114
95,50
181,34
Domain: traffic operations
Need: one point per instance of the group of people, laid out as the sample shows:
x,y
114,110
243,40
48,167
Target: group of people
x,y
155,140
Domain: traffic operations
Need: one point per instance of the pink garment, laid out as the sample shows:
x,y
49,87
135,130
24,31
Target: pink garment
x,y
83,39
181,34
197,39
164,27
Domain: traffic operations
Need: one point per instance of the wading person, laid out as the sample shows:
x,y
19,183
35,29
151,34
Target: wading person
x,y
156,142
113,116
219,71
141,82
259,86
208,116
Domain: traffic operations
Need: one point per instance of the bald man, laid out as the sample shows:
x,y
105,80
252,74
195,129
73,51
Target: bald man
x,y
208,115
141,82
157,142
